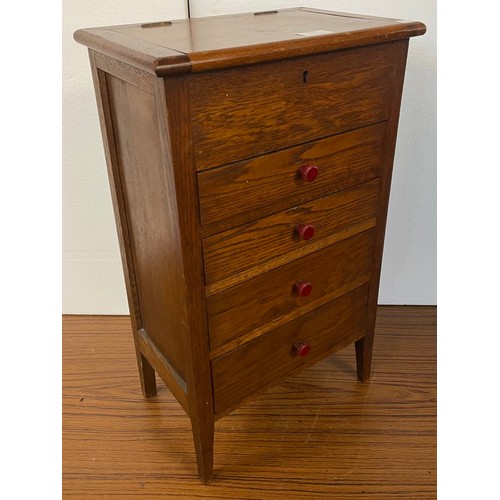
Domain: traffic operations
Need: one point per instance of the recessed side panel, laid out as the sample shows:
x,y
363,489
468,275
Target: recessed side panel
x,y
149,219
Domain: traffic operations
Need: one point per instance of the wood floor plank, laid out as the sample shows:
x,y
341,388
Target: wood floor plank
x,y
320,434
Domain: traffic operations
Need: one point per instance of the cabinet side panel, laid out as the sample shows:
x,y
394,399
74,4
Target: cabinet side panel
x,y
154,252
364,347
146,372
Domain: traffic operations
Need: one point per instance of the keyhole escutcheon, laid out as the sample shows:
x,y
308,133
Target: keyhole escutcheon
x,y
305,76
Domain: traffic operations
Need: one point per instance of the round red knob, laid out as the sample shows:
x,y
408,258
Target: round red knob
x,y
305,231
301,349
303,288
309,172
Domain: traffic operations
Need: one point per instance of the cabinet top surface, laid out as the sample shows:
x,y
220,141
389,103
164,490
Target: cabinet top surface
x,y
220,41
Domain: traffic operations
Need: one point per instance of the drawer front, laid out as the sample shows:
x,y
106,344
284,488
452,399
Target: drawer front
x,y
274,240
251,189
275,297
270,357
246,111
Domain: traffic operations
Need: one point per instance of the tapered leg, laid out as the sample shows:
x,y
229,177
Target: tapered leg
x,y
203,435
147,376
364,348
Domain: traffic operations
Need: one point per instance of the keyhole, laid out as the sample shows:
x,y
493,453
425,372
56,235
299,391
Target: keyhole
x,y
305,75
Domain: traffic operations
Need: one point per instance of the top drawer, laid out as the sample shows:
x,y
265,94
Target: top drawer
x,y
242,112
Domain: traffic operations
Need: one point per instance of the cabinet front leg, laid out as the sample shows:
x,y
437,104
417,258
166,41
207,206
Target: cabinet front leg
x,y
203,436
364,348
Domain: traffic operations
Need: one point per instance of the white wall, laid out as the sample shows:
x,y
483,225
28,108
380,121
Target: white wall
x,y
409,265
92,274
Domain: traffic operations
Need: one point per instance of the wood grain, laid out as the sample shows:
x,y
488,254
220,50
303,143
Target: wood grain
x,y
245,371
125,72
221,41
172,110
159,132
148,204
364,346
104,108
319,434
230,253
269,300
139,53
251,189
244,112
163,368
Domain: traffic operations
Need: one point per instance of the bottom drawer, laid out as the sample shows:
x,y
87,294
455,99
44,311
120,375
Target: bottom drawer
x,y
270,357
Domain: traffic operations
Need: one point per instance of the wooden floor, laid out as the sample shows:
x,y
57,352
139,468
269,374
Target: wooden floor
x,y
320,434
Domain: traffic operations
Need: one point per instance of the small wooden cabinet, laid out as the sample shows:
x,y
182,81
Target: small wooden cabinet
x,y
250,161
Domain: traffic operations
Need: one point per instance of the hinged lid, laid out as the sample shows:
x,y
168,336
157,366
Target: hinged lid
x,y
168,47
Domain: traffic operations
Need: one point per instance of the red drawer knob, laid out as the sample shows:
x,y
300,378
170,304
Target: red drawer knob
x,y
309,172
301,349
303,288
305,231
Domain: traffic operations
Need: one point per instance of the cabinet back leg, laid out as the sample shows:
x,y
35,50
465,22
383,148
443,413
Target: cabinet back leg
x,y
364,348
147,376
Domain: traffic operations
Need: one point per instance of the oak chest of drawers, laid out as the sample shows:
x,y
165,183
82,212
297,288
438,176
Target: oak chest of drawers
x,y
250,160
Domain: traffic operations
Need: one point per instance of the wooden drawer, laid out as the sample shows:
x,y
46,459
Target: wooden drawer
x,y
257,364
247,111
251,189
246,251
258,305
205,123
